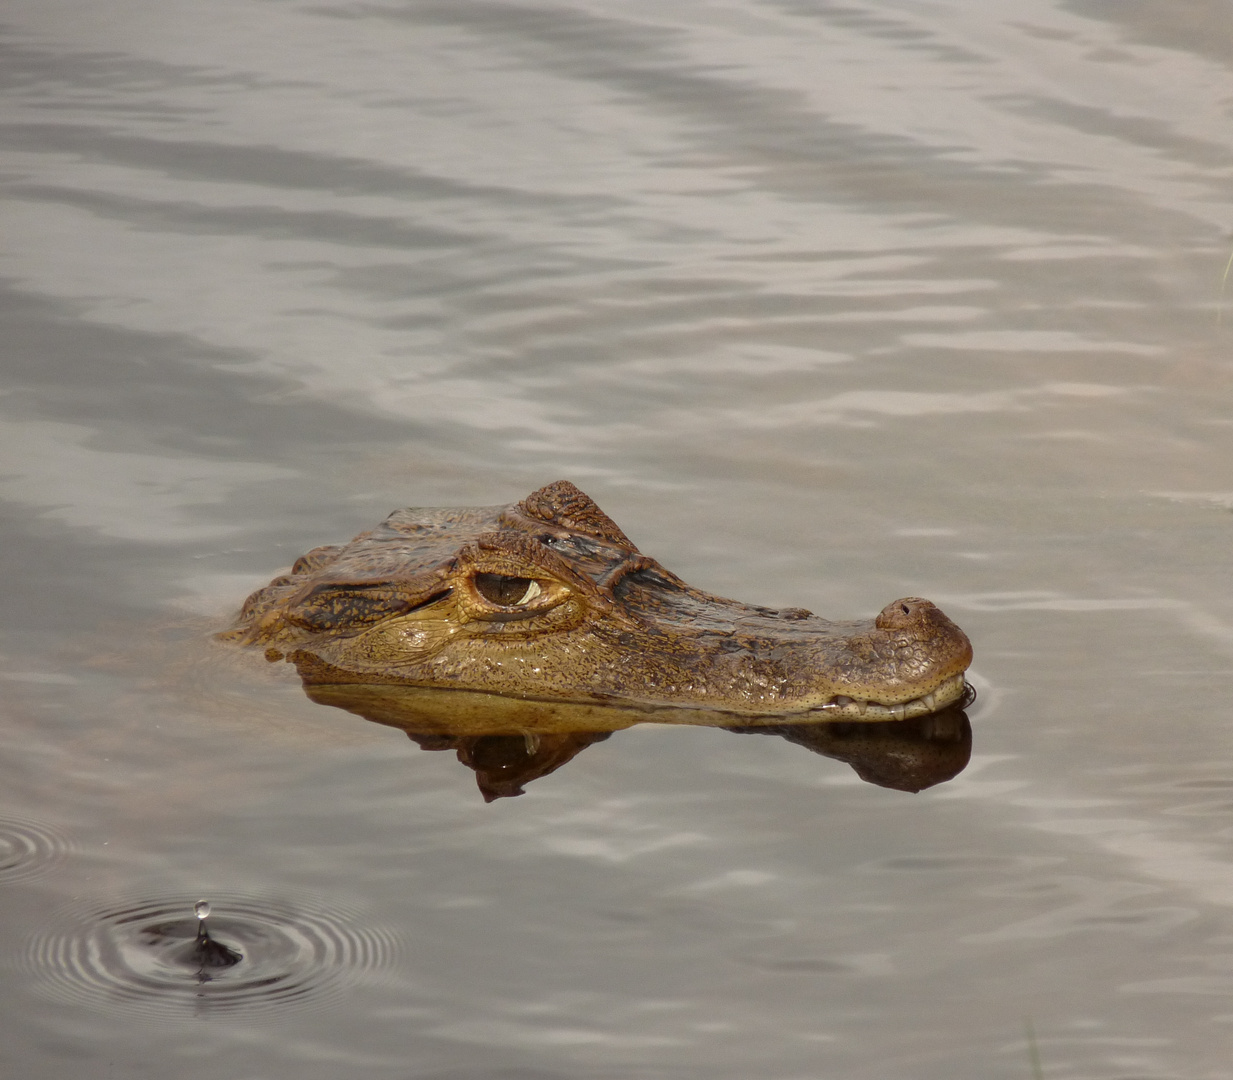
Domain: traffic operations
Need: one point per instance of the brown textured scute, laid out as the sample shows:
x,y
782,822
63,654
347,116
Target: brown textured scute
x,y
317,558
565,505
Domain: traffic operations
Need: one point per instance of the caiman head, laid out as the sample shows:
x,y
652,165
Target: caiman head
x,y
547,599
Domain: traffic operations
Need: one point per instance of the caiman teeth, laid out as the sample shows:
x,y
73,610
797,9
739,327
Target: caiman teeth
x,y
841,706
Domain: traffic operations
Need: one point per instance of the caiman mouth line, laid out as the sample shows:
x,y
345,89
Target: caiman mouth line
x,y
953,689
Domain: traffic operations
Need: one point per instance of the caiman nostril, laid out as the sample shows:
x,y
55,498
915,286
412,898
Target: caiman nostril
x,y
903,614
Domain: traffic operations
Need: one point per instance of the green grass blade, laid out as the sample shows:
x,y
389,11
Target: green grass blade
x,y
1033,1049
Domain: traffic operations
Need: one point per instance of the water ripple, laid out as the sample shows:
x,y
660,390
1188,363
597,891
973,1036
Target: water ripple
x,y
29,848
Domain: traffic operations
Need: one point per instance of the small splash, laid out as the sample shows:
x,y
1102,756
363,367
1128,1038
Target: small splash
x,y
207,952
176,958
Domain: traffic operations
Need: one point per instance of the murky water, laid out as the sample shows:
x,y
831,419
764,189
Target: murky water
x,y
825,304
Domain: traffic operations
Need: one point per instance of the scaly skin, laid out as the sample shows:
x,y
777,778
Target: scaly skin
x,y
548,600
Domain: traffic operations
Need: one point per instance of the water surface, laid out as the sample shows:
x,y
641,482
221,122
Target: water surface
x,y
825,304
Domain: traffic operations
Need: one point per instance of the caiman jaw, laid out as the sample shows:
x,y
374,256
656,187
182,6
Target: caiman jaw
x,y
842,707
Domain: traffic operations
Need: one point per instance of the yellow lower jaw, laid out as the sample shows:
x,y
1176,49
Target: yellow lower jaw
x,y
842,707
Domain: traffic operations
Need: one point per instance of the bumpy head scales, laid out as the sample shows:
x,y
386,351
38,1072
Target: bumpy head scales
x,y
565,505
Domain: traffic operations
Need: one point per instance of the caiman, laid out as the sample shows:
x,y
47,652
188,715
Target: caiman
x,y
548,600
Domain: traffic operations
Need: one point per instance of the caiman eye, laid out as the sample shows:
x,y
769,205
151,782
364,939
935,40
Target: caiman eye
x,y
507,591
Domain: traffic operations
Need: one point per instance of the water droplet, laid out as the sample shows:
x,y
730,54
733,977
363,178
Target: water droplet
x,y
201,909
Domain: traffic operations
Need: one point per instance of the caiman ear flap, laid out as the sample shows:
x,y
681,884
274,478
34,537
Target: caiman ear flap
x,y
565,505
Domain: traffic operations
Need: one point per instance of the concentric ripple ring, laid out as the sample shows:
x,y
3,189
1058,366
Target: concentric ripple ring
x,y
137,959
29,848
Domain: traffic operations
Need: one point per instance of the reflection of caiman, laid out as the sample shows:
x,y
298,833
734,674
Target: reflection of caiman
x,y
547,600
509,743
